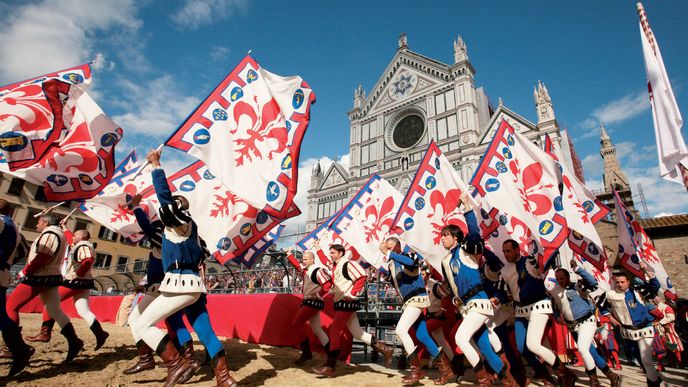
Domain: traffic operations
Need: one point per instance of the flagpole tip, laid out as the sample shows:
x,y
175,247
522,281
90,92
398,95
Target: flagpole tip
x,y
639,6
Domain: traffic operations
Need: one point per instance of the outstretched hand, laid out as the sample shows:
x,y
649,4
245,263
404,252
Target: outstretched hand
x,y
153,157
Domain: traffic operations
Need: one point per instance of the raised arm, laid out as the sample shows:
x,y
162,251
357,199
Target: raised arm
x,y
162,189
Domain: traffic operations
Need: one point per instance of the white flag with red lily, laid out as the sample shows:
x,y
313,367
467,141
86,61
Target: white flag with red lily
x,y
497,227
671,148
368,219
252,126
635,245
520,180
582,210
430,204
81,163
319,240
109,207
229,225
35,114
248,258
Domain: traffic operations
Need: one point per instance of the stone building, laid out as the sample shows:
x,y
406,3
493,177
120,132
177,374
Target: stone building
x,y
418,99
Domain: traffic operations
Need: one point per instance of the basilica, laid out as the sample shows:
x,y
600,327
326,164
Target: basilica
x,y
417,100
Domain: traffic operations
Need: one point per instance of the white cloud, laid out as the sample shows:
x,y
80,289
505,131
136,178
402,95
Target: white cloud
x,y
198,13
155,108
660,195
592,166
616,111
45,36
219,53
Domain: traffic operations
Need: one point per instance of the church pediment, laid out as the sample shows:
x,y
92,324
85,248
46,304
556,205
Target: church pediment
x,y
519,123
335,176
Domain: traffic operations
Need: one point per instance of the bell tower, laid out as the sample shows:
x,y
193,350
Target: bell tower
x,y
613,176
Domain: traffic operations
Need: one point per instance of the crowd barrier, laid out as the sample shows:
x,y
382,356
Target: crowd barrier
x,y
253,318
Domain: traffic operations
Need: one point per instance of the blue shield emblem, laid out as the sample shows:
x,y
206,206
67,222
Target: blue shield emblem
x,y
86,179
588,205
236,94
272,192
261,218
245,229
286,162
558,204
108,139
592,249
73,78
491,184
13,141
219,115
430,182
207,175
500,167
420,203
510,140
507,153
251,75
224,243
298,98
58,180
408,223
201,137
503,220
546,227
437,163
187,186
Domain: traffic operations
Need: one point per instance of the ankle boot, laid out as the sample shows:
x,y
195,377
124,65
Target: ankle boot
x,y
222,376
5,353
99,333
327,370
614,379
187,351
566,377
484,377
306,353
592,375
416,372
178,368
384,350
446,372
656,383
457,365
45,334
145,359
21,352
74,343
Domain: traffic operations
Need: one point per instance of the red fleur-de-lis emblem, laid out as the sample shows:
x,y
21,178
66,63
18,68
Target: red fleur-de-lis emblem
x,y
533,199
221,203
267,134
446,207
375,220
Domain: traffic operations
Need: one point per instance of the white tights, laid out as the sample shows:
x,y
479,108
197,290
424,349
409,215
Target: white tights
x,y
161,307
645,347
356,331
81,304
51,299
408,317
471,323
536,329
136,313
317,328
586,333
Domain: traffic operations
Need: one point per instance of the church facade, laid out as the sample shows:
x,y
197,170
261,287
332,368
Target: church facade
x,y
415,101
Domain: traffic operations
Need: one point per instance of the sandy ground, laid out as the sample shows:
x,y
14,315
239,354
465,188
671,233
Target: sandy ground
x,y
250,364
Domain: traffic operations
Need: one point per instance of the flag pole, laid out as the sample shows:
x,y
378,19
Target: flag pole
x,y
145,164
48,210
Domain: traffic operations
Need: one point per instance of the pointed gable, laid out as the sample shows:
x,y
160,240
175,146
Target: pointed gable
x,y
519,123
335,176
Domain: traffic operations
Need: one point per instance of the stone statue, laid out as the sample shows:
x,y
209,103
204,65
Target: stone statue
x,y
403,43
460,50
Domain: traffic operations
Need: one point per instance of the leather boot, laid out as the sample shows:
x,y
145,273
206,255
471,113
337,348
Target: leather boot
x,y
446,372
99,333
614,378
45,334
328,369
74,343
416,372
145,360
457,365
547,379
594,381
222,375
384,350
566,377
178,368
484,377
187,351
656,383
5,353
306,353
22,352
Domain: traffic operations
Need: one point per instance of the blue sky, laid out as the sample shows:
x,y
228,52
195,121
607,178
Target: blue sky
x,y
158,59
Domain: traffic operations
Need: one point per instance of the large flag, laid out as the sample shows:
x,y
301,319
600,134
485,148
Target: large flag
x,y
671,148
582,210
249,132
248,258
368,219
319,240
35,113
109,207
521,181
229,225
430,204
635,245
82,163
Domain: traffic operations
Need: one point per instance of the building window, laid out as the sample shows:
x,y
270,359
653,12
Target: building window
x,y
140,266
368,153
122,264
30,221
81,225
445,102
103,261
447,127
16,187
107,234
40,194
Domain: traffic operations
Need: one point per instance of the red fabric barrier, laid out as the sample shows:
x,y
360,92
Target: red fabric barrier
x,y
254,318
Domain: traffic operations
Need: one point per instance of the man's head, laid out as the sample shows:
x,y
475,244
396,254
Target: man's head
x,y
4,207
563,277
622,282
80,235
451,236
45,221
336,252
308,258
175,214
393,244
511,251
183,202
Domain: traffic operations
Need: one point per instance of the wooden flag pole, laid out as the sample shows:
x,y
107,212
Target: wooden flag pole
x,y
144,165
48,210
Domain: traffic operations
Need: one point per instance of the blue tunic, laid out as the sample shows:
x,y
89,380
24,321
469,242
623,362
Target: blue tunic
x,y
406,276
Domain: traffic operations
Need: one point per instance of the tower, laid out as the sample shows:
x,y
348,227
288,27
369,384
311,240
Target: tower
x,y
613,176
547,121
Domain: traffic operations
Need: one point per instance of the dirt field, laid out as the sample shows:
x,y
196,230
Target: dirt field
x,y
251,365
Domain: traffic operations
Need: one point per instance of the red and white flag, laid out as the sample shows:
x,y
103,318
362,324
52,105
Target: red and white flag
x,y
248,258
81,163
368,219
521,181
430,204
249,132
319,240
35,114
582,210
635,245
671,148
229,225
